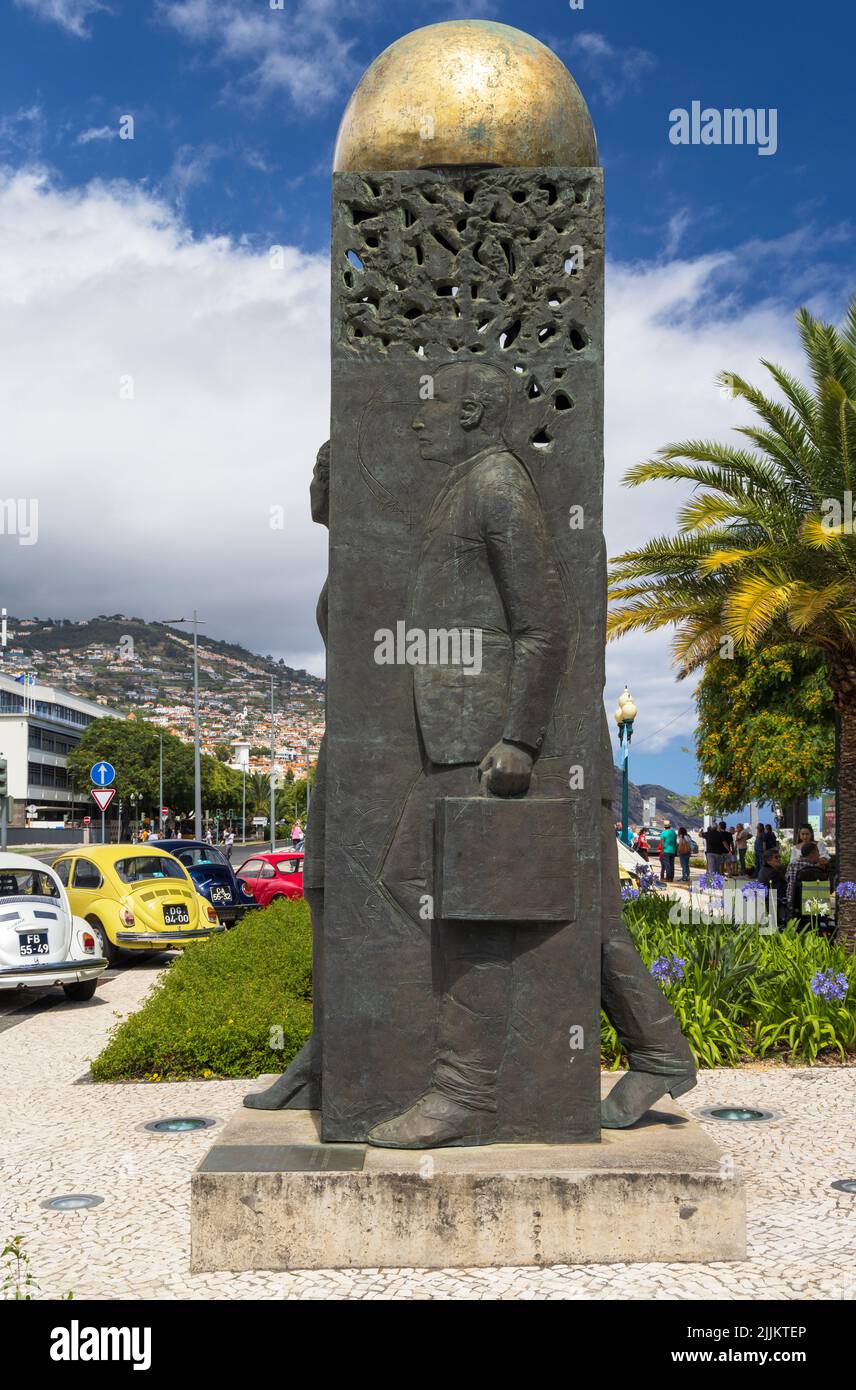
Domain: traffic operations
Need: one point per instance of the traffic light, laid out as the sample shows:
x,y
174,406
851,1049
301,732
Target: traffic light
x,y
4,778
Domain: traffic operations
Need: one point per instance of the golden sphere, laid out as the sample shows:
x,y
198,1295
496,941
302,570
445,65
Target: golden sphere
x,y
465,92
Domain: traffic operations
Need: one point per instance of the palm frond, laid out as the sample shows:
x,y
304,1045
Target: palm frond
x,y
753,603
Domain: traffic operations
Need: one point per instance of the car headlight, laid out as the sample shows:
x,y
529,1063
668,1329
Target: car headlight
x,y
126,916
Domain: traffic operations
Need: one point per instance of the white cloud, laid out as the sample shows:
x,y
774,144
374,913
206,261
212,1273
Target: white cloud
x,y
161,502
71,15
614,71
671,328
152,505
299,50
101,132
22,133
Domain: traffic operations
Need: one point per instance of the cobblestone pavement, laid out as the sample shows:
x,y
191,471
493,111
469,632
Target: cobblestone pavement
x,y
62,1134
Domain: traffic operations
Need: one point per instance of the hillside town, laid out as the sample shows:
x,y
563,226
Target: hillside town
x,y
145,671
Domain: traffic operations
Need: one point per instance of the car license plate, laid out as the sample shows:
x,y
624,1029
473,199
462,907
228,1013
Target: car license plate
x,y
176,915
34,943
221,895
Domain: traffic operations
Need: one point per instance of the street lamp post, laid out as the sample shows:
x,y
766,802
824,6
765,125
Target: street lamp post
x,y
272,772
624,717
160,785
197,763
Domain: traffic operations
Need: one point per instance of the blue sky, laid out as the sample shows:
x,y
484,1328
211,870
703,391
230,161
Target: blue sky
x,y
236,106
241,128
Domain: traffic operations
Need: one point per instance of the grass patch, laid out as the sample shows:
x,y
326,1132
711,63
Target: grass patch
x,y
236,1005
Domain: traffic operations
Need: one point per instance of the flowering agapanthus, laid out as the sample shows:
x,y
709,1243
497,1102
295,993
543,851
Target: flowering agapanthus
x,y
714,883
829,984
629,893
754,885
846,890
667,969
647,879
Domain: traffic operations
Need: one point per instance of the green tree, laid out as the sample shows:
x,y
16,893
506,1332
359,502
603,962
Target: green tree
x,y
766,729
132,746
766,553
291,802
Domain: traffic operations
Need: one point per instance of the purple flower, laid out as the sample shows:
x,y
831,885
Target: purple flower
x,y
846,890
752,886
712,882
667,969
647,880
829,984
629,893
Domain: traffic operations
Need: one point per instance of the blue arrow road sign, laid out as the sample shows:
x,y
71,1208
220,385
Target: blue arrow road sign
x,y
102,774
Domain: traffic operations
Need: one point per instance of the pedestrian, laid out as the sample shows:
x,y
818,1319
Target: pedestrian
x,y
684,852
713,848
759,849
229,843
642,844
741,842
668,850
770,838
729,852
296,834
772,876
803,868
806,836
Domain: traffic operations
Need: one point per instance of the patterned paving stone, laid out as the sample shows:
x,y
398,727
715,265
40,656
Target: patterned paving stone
x,y
60,1135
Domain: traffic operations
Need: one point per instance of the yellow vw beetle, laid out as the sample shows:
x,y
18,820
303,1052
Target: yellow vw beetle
x,y
135,898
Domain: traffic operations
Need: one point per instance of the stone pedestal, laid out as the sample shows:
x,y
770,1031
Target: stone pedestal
x,y
270,1195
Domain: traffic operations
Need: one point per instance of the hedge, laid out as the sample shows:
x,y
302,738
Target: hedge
x,y
236,1005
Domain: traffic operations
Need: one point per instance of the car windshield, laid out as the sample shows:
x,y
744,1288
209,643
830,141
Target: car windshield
x,y
192,857
138,867
27,883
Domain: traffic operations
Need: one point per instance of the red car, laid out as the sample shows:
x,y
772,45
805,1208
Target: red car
x,y
270,877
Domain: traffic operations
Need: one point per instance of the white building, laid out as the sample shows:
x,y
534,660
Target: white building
x,y
39,726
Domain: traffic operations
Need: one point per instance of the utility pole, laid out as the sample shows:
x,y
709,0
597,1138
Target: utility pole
x,y
160,785
197,764
272,771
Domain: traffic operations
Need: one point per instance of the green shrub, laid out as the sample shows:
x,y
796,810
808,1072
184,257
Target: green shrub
x,y
236,1005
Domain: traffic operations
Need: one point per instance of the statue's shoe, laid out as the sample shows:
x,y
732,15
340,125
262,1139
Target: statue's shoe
x,y
299,1087
636,1092
432,1123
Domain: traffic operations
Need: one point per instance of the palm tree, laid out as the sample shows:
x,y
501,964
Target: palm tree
x,y
258,794
766,551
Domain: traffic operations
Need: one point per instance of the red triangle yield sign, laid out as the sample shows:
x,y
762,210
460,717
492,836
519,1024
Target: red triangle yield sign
x,y
103,796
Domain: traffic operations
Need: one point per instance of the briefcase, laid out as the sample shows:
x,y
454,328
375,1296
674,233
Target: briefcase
x,y
500,859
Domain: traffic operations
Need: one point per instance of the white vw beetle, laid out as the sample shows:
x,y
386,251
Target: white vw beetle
x,y
41,942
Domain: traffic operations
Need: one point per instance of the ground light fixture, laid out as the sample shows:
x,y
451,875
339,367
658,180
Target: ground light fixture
x,y
180,1124
844,1185
743,1113
72,1201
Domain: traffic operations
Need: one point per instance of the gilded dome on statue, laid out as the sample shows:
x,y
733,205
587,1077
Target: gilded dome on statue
x,y
466,92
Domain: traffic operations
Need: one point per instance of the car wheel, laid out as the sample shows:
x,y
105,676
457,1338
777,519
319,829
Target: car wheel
x,y
277,898
83,989
103,945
